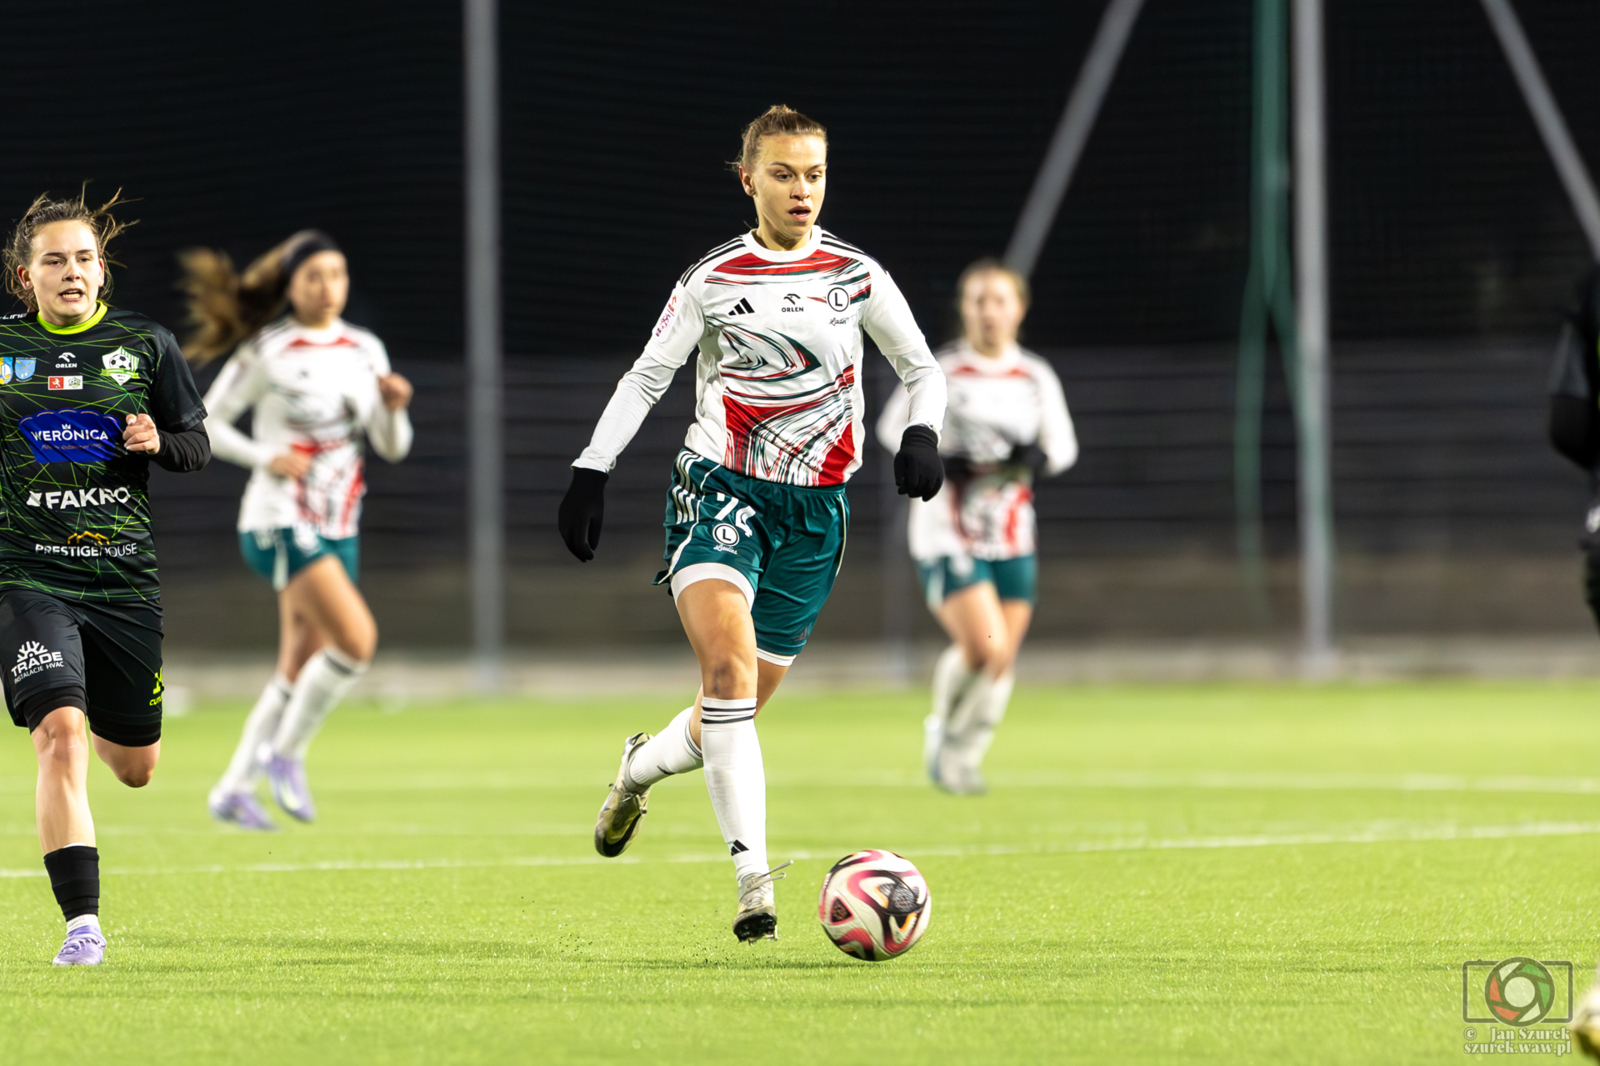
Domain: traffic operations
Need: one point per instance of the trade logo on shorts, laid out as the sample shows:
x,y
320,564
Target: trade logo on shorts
x,y
1519,992
725,536
33,657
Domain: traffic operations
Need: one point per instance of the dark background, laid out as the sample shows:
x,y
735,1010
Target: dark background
x,y
1453,250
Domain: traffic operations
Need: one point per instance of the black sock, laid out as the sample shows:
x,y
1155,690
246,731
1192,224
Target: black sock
x,y
75,878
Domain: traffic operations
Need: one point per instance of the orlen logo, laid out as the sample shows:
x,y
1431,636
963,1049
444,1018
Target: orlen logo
x,y
71,436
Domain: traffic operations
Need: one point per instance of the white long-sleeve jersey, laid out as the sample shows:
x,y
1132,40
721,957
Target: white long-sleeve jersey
x,y
995,405
314,392
777,384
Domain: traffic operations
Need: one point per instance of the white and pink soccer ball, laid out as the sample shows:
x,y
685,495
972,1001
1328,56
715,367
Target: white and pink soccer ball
x,y
874,905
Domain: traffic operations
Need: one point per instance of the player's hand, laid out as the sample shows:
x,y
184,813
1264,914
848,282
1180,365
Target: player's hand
x,y
292,465
917,469
1031,456
140,435
395,391
582,508
957,469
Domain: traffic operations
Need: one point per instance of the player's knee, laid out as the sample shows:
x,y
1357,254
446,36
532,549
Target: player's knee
x,y
359,641
65,750
135,775
727,678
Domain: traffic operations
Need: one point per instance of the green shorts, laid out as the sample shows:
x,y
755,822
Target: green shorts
x,y
279,554
1013,579
781,544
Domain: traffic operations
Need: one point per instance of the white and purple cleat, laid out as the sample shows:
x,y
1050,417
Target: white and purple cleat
x,y
241,809
85,946
287,776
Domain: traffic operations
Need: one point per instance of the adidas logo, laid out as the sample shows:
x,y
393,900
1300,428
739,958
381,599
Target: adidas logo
x,y
736,847
742,308
33,657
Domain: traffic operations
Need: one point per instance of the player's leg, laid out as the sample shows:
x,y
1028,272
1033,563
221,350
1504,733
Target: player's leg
x,y
66,832
1007,612
952,674
323,594
45,693
233,797
977,627
716,618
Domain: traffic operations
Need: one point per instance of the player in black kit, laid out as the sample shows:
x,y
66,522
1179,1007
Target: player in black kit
x,y
89,397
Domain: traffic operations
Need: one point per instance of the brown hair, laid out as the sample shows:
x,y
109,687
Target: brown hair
x,y
225,307
42,212
778,119
990,265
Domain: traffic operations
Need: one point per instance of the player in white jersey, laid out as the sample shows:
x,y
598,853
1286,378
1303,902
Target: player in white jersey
x,y
756,512
974,542
318,389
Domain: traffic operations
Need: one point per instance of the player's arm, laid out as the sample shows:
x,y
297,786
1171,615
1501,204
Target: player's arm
x,y
388,425
1057,447
887,319
172,432
240,384
677,334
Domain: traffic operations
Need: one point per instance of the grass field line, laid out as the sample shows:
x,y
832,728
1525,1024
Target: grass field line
x,y
1384,832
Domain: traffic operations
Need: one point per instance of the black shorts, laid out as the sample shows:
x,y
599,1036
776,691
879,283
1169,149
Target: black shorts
x,y
103,658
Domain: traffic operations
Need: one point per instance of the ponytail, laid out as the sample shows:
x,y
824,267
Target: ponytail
x,y
225,307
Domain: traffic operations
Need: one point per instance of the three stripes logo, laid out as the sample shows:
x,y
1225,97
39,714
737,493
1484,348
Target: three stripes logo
x,y
742,308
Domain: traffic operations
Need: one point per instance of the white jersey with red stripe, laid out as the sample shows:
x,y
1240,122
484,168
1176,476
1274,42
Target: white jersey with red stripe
x,y
995,405
314,392
778,381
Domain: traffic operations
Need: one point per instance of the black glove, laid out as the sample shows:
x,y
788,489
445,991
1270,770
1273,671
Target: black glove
x,y
1031,456
582,508
917,469
957,469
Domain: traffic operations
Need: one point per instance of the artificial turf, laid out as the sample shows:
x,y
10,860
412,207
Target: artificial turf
x,y
1166,874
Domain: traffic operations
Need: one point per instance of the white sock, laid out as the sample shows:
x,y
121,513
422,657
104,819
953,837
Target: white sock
x,y
973,743
736,780
322,683
259,729
90,920
671,751
951,679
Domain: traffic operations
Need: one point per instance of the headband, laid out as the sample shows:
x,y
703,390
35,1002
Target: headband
x,y
316,241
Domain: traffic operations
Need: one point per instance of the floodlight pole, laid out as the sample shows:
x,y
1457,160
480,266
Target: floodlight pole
x,y
1547,116
1311,307
1072,133
485,448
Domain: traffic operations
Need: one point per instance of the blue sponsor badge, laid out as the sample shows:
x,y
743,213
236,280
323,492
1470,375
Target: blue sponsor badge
x,y
5,371
71,436
24,367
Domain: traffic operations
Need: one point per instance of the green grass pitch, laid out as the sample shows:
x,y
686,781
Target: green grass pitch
x,y
1227,874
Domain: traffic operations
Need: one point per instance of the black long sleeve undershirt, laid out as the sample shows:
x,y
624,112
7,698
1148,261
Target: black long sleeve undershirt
x,y
185,451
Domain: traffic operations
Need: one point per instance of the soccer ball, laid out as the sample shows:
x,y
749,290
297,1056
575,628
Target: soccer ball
x,y
874,905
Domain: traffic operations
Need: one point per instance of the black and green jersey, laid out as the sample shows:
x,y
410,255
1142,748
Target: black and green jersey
x,y
74,502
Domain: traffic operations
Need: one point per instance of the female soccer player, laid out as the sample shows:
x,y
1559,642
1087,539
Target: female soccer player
x,y
974,542
317,386
756,511
89,397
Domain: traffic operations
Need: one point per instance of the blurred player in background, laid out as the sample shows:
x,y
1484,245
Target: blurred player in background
x,y
89,397
974,543
316,386
756,512
1574,428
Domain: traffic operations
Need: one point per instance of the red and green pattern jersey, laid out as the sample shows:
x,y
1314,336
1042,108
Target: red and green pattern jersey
x,y
76,501
778,379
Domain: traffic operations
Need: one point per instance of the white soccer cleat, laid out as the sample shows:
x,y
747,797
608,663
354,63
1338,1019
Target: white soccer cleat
x,y
623,809
758,909
1585,1027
